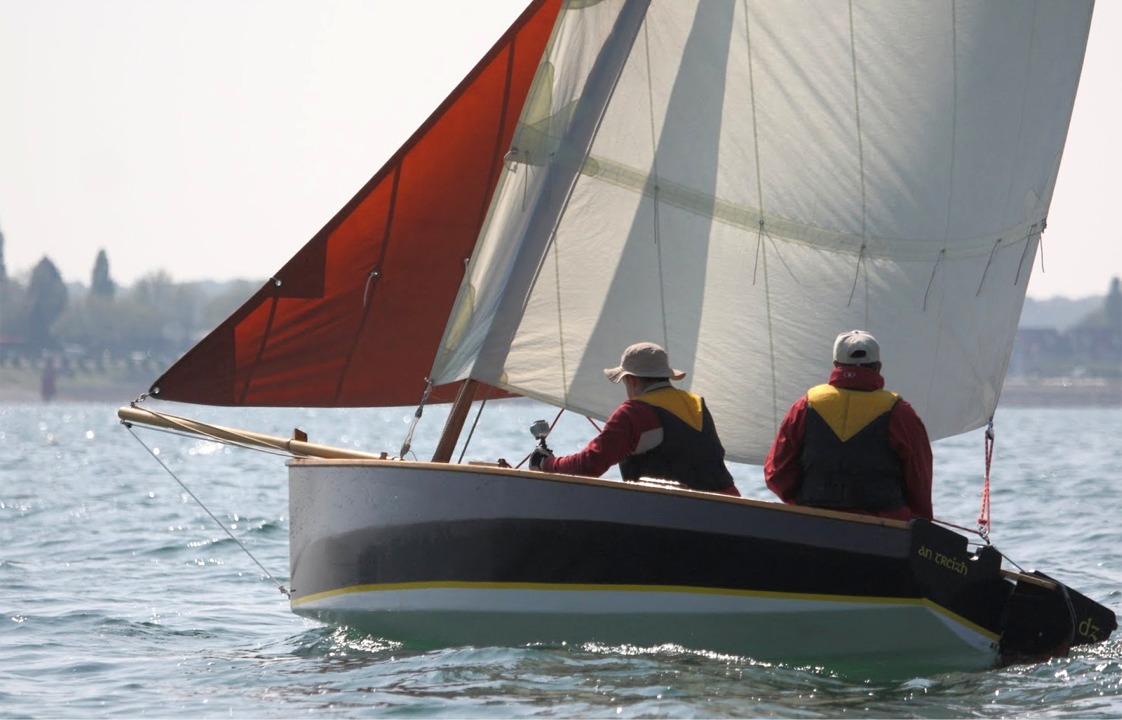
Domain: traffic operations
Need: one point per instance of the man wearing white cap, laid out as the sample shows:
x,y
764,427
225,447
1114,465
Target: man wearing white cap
x,y
852,445
659,432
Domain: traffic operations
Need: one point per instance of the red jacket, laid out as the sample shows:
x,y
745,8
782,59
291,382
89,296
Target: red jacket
x,y
907,438
622,435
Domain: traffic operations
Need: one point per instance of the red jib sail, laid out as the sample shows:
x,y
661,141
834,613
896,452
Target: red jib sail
x,y
355,318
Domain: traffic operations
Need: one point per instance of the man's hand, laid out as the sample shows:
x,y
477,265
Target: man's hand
x,y
541,452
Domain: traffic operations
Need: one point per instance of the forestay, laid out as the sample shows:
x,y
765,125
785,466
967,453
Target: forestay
x,y
741,180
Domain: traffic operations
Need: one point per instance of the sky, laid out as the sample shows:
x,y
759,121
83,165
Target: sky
x,y
212,138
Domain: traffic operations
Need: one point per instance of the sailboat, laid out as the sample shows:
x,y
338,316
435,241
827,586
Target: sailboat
x,y
737,181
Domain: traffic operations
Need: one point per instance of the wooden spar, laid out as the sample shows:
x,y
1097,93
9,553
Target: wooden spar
x,y
294,447
455,421
1030,579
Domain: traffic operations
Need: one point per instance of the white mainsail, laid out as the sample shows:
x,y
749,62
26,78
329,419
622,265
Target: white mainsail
x,y
740,180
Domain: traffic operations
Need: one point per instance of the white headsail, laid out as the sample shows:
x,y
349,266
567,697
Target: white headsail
x,y
740,180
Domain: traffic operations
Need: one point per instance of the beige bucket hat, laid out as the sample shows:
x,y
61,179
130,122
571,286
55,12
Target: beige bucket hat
x,y
645,360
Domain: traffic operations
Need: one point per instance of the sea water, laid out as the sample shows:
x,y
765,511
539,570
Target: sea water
x,y
120,596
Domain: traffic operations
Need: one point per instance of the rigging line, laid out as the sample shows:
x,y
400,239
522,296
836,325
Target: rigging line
x,y
856,274
1012,562
759,250
761,254
986,269
1028,244
932,278
471,432
408,442
969,531
285,591
984,512
779,255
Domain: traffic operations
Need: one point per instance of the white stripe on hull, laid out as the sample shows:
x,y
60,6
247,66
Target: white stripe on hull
x,y
883,632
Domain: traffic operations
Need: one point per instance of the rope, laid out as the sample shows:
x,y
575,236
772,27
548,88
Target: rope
x,y
478,414
984,513
269,575
408,442
1013,562
932,278
856,274
987,268
1028,244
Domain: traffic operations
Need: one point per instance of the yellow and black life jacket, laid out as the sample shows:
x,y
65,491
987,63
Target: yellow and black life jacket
x,y
690,451
846,460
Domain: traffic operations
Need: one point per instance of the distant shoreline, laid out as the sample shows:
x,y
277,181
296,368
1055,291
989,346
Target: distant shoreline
x,y
1067,392
23,385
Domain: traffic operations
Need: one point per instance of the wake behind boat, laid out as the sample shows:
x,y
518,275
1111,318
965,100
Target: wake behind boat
x,y
738,181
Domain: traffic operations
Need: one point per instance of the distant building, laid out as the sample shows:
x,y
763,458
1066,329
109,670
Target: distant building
x,y
1080,366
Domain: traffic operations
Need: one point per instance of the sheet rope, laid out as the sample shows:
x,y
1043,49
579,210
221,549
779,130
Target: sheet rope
x,y
285,591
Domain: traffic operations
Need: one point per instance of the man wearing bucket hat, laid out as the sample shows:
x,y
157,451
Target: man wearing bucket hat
x,y
852,445
658,432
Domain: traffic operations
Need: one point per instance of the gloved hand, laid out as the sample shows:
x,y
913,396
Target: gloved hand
x,y
541,452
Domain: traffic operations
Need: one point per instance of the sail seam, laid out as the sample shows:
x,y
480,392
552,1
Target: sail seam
x,y
739,216
950,194
370,290
654,182
261,348
1024,98
761,249
954,144
553,246
860,139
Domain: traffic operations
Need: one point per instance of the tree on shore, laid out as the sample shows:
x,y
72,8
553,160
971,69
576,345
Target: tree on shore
x,y
1113,307
11,304
3,267
45,300
101,284
1109,314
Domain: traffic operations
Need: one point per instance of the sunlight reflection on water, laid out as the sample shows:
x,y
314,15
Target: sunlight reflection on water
x,y
124,598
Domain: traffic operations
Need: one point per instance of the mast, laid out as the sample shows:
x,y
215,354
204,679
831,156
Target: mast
x,y
455,423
